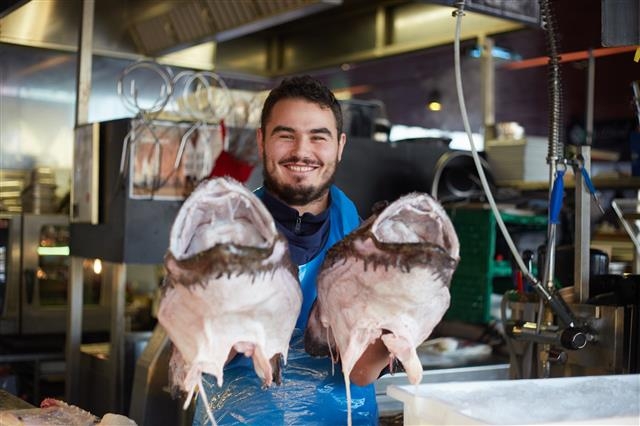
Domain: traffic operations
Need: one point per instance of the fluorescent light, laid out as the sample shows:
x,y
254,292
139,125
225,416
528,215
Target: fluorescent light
x,y
53,251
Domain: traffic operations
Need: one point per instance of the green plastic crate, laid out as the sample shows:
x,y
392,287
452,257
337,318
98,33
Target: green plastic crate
x,y
472,283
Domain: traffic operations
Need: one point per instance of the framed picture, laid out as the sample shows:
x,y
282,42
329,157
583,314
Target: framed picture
x,y
84,189
167,158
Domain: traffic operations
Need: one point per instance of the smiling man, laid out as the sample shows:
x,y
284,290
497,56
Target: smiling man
x,y
301,142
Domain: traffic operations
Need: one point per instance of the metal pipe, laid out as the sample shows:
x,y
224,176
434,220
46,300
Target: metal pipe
x,y
635,86
582,243
116,277
85,53
74,309
487,73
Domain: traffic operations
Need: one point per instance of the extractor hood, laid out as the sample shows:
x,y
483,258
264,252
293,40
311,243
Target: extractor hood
x,y
177,25
149,28
266,38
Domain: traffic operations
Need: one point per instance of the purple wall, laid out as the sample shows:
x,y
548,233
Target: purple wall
x,y
403,82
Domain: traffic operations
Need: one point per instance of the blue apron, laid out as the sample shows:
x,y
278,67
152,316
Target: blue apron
x,y
310,394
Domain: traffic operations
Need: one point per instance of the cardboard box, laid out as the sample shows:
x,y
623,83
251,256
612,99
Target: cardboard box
x,y
518,159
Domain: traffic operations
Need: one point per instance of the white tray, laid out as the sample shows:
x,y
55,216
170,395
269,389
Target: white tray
x,y
585,400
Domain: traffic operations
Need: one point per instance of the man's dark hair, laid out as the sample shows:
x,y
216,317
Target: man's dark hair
x,y
302,87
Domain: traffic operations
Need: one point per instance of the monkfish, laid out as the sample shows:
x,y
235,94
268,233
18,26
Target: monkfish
x,y
387,279
229,284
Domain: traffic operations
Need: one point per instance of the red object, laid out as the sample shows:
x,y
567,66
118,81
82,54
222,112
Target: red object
x,y
519,283
228,165
50,402
568,57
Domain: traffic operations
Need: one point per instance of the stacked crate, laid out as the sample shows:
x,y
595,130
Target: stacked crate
x,y
472,283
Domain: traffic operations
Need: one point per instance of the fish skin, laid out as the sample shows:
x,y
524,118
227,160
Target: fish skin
x,y
229,283
388,279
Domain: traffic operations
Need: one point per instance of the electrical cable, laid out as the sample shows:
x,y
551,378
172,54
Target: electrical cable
x,y
476,157
458,13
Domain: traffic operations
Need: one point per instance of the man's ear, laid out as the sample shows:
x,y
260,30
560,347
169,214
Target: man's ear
x,y
260,141
341,143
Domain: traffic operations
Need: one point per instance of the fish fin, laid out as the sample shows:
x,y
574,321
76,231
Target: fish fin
x,y
262,366
358,342
177,372
276,366
318,339
406,354
392,364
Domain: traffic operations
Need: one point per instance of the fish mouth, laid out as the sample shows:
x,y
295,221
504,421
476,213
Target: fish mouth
x,y
413,231
220,212
416,220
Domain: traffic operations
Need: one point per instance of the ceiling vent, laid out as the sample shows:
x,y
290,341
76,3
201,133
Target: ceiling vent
x,y
188,23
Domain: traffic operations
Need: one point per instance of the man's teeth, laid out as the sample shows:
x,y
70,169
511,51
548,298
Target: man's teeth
x,y
300,168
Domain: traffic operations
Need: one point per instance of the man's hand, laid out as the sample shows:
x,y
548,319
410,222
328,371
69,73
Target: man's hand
x,y
369,366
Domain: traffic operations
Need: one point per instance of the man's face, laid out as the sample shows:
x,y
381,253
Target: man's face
x,y
300,149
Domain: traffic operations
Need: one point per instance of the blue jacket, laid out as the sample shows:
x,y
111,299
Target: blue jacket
x,y
310,393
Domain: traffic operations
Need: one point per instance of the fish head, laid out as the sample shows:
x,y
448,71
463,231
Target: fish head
x,y
221,220
230,286
220,211
416,218
387,279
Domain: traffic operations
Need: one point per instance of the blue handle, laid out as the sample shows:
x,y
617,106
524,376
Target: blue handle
x,y
587,180
557,194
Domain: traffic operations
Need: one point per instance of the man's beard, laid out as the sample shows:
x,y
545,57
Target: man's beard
x,y
298,195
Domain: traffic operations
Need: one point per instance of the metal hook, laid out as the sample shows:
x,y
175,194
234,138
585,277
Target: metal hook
x,y
212,110
182,109
183,143
131,100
